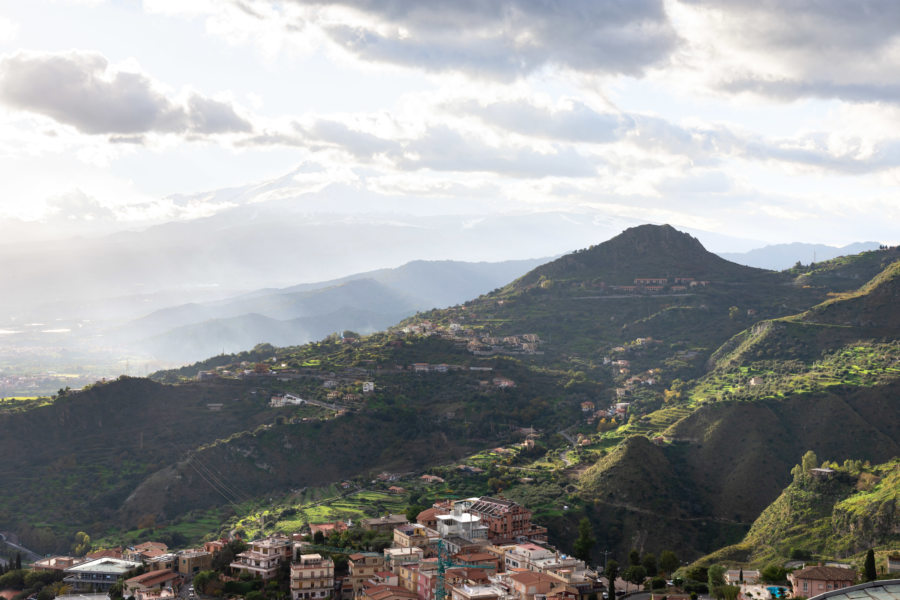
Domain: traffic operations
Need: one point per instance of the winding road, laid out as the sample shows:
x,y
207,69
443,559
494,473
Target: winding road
x,y
27,554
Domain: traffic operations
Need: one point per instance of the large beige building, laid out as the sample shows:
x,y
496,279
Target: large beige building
x,y
363,565
312,577
263,558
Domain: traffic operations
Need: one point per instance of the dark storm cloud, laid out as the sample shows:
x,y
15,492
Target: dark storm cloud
x,y
509,38
79,89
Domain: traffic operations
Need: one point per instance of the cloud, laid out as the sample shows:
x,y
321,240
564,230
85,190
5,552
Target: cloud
x,y
205,115
658,137
82,90
8,30
792,89
505,39
806,48
574,122
444,149
360,144
75,205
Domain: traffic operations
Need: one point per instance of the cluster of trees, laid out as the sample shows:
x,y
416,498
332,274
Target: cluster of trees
x,y
640,567
14,562
45,585
717,586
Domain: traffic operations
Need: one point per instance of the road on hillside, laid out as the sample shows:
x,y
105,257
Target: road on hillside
x,y
564,454
27,554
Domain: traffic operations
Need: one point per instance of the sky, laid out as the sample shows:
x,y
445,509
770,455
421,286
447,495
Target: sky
x,y
763,119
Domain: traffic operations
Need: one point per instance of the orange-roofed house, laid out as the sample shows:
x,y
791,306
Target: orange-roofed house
x,y
527,584
151,580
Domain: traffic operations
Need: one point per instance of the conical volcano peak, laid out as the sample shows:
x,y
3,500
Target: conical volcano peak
x,y
645,251
655,238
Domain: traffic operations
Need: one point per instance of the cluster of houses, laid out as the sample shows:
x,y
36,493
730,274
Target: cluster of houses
x,y
837,580
475,549
483,548
477,343
651,285
165,571
527,343
498,381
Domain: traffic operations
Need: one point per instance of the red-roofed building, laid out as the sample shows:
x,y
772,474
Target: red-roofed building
x,y
386,592
428,517
527,584
485,559
152,580
815,580
107,553
144,552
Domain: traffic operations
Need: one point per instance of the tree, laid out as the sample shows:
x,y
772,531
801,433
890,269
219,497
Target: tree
x,y
635,574
318,538
634,558
612,573
668,562
715,576
869,567
201,580
696,573
728,592
18,561
585,541
773,574
649,564
81,544
412,511
809,461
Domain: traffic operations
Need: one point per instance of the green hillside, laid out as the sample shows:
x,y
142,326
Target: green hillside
x,y
826,515
731,374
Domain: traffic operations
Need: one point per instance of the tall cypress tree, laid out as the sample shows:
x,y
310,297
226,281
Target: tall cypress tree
x,y
869,568
585,541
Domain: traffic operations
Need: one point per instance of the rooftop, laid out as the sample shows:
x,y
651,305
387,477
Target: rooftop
x,y
460,518
832,573
493,506
151,578
104,565
888,589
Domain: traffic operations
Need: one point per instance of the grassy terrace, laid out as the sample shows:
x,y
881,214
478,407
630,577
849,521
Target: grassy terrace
x,y
862,364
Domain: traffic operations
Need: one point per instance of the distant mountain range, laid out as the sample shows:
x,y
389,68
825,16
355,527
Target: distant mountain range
x,y
276,234
778,257
363,303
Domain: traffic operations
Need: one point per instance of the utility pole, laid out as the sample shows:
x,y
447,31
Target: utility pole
x,y
605,554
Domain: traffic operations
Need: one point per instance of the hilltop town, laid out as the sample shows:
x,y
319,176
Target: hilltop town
x,y
481,548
